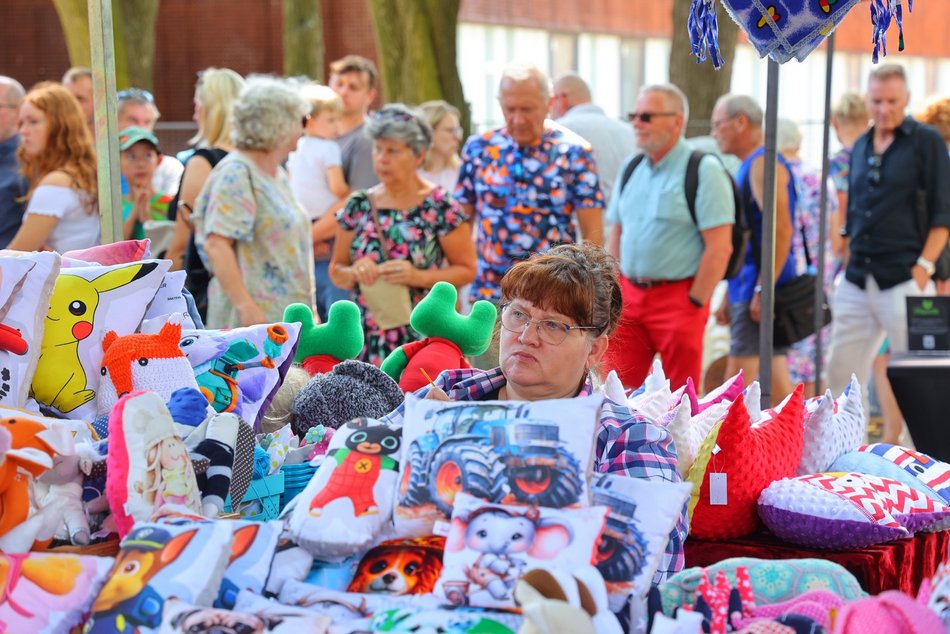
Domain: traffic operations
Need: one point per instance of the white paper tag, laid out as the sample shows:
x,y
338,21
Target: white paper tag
x,y
441,528
718,495
716,450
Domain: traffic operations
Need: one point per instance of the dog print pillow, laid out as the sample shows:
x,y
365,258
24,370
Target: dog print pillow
x,y
504,452
489,547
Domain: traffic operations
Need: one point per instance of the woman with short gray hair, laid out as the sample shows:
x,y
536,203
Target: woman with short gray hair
x,y
397,239
253,235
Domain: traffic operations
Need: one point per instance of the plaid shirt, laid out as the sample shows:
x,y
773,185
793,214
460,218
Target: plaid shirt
x,y
627,443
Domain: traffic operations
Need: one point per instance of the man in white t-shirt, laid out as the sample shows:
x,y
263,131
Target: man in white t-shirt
x,y
136,109
316,179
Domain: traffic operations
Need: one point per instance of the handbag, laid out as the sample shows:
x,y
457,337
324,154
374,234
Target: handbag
x,y
390,304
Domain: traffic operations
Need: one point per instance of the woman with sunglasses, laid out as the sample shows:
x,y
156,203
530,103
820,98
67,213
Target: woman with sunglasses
x,y
57,158
406,232
252,234
558,310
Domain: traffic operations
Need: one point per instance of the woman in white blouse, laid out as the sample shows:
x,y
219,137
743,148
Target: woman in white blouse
x,y
442,160
57,157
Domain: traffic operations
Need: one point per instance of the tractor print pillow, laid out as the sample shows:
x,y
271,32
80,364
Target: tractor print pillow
x,y
86,303
538,453
240,370
490,546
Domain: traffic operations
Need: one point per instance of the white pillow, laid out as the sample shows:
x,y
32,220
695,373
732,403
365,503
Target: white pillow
x,y
832,428
690,433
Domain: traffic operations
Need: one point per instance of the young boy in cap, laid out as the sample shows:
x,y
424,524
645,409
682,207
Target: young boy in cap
x,y
140,156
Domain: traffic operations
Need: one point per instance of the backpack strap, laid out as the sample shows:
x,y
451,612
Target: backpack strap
x,y
691,185
628,170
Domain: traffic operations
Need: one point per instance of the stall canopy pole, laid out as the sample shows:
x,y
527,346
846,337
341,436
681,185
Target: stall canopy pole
x,y
767,266
107,136
823,213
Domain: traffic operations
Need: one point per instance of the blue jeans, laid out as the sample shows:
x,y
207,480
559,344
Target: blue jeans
x,y
327,293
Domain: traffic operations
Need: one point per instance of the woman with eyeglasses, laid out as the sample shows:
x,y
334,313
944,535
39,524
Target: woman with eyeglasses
x,y
253,235
442,160
57,158
558,310
401,236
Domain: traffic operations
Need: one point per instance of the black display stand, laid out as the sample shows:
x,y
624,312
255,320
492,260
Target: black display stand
x,y
921,384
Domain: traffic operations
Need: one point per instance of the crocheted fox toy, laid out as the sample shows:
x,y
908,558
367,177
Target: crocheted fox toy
x,y
323,346
449,337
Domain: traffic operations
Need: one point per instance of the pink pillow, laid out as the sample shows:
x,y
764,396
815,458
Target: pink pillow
x,y
728,391
122,252
891,611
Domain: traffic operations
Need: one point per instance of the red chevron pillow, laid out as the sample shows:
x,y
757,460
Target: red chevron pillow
x,y
847,510
746,459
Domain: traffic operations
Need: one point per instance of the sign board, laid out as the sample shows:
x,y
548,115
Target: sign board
x,y
928,324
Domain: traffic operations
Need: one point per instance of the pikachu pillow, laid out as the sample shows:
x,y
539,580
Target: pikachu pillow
x,y
87,302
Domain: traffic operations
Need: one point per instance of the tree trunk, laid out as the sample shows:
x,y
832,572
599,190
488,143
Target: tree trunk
x,y
303,39
702,84
417,44
74,20
135,21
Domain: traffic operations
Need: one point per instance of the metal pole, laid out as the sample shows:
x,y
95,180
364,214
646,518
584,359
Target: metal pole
x,y
767,266
107,135
823,213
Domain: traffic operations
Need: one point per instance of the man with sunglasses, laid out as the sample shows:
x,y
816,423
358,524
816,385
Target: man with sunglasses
x,y
670,264
137,109
897,225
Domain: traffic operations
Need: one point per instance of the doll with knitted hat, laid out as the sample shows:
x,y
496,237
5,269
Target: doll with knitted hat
x,y
449,338
322,346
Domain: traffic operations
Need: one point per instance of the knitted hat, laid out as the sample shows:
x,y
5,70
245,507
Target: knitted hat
x,y
351,390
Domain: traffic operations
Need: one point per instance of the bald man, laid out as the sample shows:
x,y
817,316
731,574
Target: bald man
x,y
527,186
611,140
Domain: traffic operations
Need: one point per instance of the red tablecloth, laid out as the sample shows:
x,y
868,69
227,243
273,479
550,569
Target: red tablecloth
x,y
899,565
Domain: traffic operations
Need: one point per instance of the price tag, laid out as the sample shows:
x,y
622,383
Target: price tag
x,y
441,528
718,494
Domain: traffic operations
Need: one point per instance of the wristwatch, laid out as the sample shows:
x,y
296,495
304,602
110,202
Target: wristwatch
x,y
926,265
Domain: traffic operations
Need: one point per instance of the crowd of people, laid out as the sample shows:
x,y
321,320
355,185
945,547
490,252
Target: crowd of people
x,y
300,192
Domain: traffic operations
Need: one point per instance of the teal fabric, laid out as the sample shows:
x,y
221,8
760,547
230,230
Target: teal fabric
x,y
659,238
772,581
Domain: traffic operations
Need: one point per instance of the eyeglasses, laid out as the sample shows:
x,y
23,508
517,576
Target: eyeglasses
x,y
549,331
647,117
135,94
874,169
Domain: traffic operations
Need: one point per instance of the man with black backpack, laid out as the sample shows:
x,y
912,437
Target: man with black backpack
x,y
672,213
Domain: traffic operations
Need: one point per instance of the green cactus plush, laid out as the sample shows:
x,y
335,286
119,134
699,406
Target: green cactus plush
x,y
449,338
323,346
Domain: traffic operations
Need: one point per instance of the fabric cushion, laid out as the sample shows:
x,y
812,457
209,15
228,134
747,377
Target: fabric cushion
x,y
240,370
772,581
180,617
400,566
86,303
156,562
49,593
122,252
832,428
169,300
846,510
727,392
642,514
689,434
750,457
654,398
490,546
25,289
481,448
345,607
917,470
344,506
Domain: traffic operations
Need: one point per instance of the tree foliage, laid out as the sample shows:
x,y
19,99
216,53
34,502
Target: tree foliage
x,y
417,41
702,84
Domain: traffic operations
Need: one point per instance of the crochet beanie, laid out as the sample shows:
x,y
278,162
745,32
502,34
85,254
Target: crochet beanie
x,y
353,389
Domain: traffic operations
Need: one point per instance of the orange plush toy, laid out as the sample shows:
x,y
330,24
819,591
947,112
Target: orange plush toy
x,y
32,446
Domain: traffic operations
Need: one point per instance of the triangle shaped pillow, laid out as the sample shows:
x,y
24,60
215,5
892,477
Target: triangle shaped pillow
x,y
832,428
750,458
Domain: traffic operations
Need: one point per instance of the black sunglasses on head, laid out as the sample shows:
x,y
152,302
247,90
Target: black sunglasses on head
x,y
136,94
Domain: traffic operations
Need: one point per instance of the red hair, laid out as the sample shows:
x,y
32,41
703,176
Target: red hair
x,y
69,146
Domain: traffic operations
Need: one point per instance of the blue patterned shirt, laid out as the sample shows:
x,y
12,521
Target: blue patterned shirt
x,y
627,443
525,198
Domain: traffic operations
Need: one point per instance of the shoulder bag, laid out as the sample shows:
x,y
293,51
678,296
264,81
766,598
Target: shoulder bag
x,y
389,303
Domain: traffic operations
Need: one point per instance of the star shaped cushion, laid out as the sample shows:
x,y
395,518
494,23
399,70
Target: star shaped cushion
x,y
689,433
727,392
832,428
749,458
652,399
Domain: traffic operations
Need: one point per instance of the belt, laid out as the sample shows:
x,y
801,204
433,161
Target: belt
x,y
652,282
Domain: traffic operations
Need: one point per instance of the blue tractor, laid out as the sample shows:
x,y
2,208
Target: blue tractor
x,y
490,452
